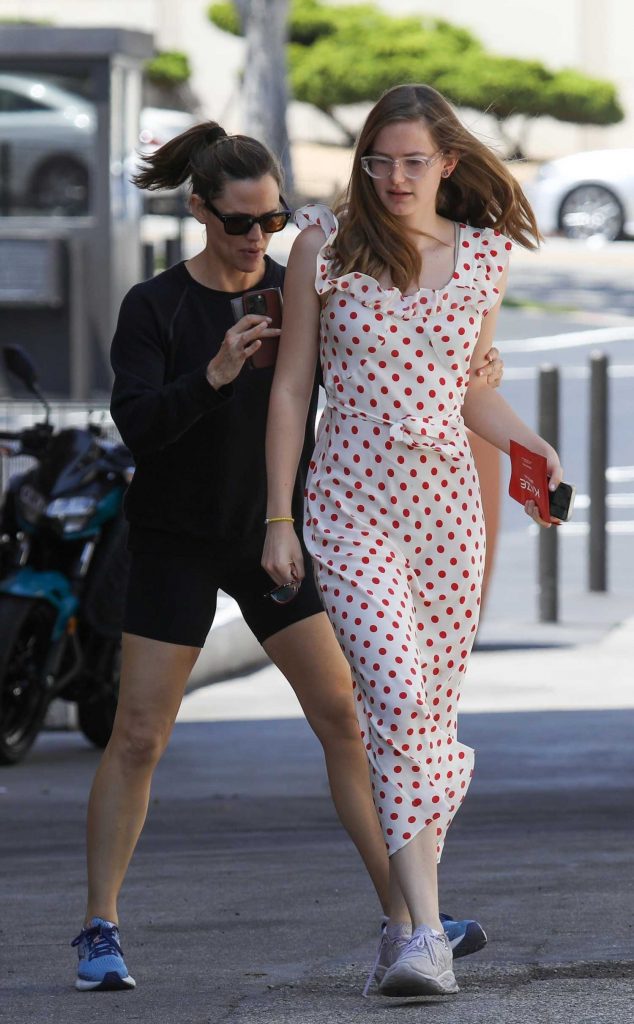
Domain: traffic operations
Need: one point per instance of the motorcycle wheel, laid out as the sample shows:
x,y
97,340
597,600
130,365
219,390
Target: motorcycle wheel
x,y
96,712
25,637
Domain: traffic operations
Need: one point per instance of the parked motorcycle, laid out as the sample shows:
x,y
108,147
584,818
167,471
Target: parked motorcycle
x,y
63,568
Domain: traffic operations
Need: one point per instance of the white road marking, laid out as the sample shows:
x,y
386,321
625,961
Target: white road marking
x,y
619,528
620,371
572,339
619,474
612,501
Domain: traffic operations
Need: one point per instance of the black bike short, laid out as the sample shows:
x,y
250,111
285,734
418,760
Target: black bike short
x,y
172,596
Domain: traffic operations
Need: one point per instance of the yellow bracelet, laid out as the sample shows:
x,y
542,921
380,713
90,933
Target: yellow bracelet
x,y
279,519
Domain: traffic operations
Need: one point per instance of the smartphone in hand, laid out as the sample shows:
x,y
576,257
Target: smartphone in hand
x,y
262,302
561,502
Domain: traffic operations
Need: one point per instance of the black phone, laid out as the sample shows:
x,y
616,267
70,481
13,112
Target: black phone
x,y
561,502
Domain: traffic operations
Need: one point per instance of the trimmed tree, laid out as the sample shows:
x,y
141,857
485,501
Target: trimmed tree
x,y
351,54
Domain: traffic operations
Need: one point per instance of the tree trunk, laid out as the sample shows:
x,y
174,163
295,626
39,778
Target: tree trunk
x,y
264,90
514,149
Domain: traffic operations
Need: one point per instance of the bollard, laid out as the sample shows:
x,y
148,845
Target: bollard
x,y
147,255
5,179
173,251
548,561
597,537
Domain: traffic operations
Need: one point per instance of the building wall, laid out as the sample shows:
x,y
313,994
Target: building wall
x,y
592,35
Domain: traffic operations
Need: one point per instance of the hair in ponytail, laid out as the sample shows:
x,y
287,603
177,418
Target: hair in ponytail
x,y
206,157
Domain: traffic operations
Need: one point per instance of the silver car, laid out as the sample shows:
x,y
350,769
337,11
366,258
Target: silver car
x,y
586,195
46,144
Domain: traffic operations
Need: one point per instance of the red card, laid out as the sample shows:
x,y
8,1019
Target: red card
x,y
529,479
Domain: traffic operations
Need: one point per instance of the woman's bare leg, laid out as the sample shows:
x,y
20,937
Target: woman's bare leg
x,y
413,869
153,680
308,654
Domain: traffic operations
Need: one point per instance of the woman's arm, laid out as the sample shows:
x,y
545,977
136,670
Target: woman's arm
x,y
150,413
288,406
489,415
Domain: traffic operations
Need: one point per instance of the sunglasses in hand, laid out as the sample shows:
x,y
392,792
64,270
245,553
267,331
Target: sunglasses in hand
x,y
285,593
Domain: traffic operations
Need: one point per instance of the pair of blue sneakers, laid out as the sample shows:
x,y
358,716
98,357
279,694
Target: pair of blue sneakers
x,y
102,967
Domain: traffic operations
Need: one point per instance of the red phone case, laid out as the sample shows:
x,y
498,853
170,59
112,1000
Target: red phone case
x,y
529,479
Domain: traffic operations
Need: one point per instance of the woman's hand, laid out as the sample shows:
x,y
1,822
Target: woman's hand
x,y
240,342
555,476
493,369
282,557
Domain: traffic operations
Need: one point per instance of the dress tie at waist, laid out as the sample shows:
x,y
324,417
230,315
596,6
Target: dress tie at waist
x,y
441,435
436,433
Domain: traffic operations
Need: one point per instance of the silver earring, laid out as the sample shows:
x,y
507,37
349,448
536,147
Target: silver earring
x,y
445,174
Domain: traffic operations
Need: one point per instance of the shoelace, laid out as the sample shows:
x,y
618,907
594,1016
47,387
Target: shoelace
x,y
400,941
426,940
372,974
101,941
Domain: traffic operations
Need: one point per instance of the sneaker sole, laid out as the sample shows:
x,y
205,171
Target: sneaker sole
x,y
111,982
473,940
409,982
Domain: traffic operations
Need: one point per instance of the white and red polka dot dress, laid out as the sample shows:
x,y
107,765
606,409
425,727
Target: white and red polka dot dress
x,y
394,518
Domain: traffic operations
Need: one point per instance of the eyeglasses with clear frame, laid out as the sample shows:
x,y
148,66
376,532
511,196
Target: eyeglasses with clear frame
x,y
241,223
411,166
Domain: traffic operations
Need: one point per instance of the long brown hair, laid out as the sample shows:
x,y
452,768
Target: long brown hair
x,y
481,191
207,157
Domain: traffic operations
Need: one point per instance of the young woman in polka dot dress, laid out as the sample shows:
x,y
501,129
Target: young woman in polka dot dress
x,y
404,299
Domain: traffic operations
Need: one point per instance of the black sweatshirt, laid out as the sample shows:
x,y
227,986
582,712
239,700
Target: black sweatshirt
x,y
200,480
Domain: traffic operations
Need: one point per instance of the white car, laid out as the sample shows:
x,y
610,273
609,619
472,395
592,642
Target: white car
x,y
586,195
159,125
47,144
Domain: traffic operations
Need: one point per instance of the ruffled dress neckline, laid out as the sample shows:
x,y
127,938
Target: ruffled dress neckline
x,y
480,260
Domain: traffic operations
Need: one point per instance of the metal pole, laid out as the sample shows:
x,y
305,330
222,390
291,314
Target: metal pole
x,y
597,553
148,260
548,539
5,179
173,251
80,341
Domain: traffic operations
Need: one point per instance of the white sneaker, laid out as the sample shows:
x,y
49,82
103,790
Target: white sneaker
x,y
424,967
394,938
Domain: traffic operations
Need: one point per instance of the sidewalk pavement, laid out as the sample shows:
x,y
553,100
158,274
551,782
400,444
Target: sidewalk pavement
x,y
246,903
584,677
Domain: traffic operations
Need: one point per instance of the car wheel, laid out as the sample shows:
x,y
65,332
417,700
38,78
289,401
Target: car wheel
x,y
591,211
62,186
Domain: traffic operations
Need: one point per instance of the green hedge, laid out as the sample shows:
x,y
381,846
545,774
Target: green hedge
x,y
168,67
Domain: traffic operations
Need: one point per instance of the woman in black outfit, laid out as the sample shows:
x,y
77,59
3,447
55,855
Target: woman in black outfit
x,y
194,418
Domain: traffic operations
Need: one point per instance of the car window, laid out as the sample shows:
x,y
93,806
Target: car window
x,y
12,102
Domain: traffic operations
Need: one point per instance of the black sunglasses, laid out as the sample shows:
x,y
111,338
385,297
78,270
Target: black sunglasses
x,y
284,593
241,223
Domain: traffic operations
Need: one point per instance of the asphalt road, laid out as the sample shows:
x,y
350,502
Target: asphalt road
x,y
246,903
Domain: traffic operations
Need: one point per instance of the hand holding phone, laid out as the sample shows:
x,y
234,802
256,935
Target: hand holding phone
x,y
561,502
262,302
